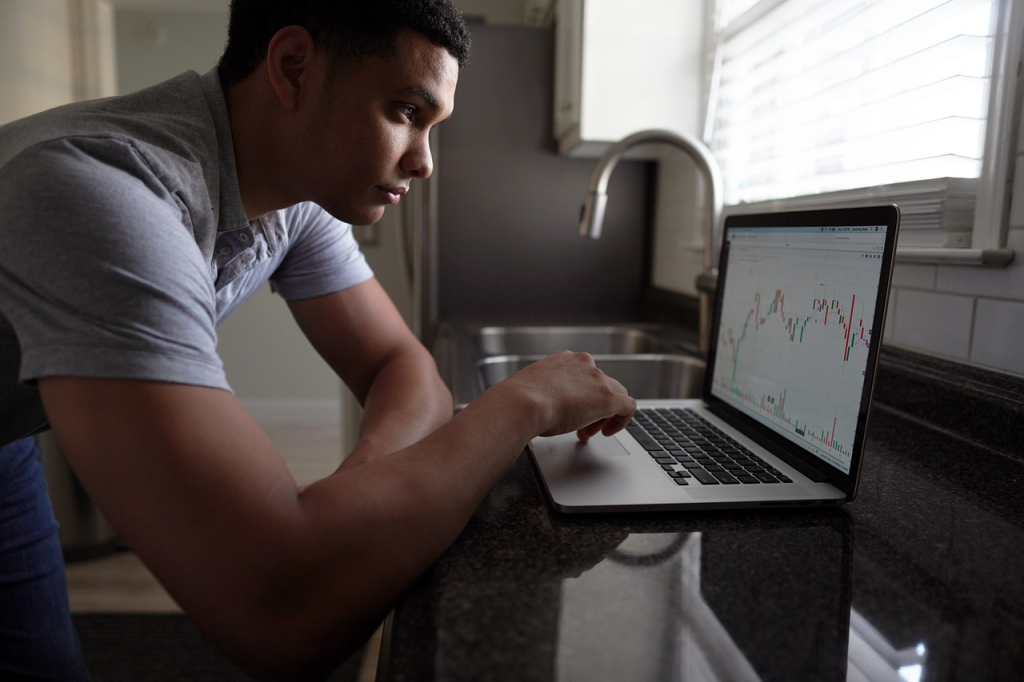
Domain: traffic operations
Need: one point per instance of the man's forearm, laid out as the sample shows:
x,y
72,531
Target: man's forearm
x,y
407,402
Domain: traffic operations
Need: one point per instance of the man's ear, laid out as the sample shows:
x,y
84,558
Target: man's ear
x,y
290,55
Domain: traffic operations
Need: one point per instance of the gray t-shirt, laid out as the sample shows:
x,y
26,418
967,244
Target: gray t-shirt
x,y
123,242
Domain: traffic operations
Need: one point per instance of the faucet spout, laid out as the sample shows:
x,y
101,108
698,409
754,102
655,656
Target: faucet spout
x,y
596,201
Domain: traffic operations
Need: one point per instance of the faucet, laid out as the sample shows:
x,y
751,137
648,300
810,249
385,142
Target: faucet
x,y
592,215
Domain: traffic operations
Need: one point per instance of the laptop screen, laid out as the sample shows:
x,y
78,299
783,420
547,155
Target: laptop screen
x,y
795,328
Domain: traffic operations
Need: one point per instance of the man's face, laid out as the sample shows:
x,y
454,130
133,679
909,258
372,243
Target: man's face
x,y
369,136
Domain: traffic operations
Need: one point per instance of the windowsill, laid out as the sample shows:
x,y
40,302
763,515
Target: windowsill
x,y
931,209
995,258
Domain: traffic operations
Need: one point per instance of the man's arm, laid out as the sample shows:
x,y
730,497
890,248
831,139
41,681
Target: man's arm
x,y
288,582
363,338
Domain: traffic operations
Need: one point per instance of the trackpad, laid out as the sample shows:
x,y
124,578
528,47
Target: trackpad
x,y
603,446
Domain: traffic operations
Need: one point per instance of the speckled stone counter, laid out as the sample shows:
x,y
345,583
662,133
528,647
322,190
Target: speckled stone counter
x,y
923,573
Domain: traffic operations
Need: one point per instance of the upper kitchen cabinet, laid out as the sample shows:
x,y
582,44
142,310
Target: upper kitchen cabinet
x,y
621,67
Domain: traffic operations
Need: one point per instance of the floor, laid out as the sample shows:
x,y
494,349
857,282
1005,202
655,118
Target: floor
x,y
121,583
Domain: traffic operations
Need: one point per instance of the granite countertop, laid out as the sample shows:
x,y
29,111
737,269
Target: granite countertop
x,y
923,569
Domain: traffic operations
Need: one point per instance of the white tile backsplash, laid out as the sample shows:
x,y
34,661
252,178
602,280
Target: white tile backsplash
x,y
930,322
913,276
999,335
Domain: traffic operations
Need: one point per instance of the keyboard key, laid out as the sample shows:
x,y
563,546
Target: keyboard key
x,y
725,477
704,477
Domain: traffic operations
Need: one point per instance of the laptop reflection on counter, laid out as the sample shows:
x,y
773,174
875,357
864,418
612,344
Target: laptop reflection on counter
x,y
754,605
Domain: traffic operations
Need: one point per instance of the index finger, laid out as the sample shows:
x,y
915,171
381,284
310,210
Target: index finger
x,y
609,425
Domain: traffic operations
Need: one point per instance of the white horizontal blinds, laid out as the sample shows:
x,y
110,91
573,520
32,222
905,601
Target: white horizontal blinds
x,y
824,95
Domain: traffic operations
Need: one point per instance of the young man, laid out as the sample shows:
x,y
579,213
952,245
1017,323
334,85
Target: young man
x,y
132,226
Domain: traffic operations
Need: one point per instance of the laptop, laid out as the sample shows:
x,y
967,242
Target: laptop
x,y
794,345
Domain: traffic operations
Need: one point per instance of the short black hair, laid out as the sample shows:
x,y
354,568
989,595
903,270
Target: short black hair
x,y
347,30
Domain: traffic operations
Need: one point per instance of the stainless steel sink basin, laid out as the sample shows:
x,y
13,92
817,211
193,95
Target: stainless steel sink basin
x,y
542,340
653,360
645,376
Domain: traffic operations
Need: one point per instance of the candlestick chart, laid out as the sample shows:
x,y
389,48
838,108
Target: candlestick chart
x,y
793,344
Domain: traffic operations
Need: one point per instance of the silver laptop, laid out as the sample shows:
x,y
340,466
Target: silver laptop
x,y
795,337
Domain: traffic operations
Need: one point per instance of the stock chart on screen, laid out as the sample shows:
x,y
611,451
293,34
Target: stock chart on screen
x,y
796,328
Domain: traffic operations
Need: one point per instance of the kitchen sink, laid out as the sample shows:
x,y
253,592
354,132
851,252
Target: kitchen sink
x,y
645,375
542,340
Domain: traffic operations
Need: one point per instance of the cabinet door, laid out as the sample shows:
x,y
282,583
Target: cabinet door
x,y
621,67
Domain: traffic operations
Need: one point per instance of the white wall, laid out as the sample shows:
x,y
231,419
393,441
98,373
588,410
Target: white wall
x,y
35,57
156,44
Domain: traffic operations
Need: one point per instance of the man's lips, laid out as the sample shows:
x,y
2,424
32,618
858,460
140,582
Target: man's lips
x,y
393,194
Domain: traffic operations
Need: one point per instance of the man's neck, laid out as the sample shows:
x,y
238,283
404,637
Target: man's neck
x,y
261,161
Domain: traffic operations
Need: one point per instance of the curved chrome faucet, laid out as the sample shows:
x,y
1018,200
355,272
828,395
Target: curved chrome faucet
x,y
592,216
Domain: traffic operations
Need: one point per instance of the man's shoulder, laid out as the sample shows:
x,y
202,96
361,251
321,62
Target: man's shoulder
x,y
171,118
166,142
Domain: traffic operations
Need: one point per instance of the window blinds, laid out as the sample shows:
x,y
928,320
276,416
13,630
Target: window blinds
x,y
820,96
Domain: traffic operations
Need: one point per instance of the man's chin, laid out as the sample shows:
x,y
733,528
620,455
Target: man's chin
x,y
361,216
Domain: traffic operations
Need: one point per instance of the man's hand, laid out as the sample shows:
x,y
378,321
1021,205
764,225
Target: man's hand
x,y
573,395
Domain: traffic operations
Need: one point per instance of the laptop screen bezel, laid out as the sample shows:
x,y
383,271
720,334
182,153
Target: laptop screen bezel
x,y
887,215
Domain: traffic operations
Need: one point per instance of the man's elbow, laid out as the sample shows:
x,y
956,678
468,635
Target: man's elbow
x,y
293,647
286,616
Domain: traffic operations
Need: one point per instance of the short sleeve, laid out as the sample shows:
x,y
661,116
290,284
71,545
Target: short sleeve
x,y
323,255
100,272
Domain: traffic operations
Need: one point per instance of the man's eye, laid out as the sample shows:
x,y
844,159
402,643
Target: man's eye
x,y
407,111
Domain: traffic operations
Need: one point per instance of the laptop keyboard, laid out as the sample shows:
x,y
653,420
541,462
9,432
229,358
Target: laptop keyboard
x,y
689,448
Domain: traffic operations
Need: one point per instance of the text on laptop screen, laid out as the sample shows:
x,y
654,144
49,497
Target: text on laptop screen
x,y
795,330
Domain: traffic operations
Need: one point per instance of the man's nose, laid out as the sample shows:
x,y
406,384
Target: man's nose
x,y
418,162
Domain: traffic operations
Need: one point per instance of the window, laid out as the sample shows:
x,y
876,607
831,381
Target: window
x,y
862,101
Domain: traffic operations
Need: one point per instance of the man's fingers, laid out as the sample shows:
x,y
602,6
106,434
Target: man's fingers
x,y
609,425
615,424
588,432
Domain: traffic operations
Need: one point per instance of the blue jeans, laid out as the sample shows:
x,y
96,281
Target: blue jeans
x,y
37,638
